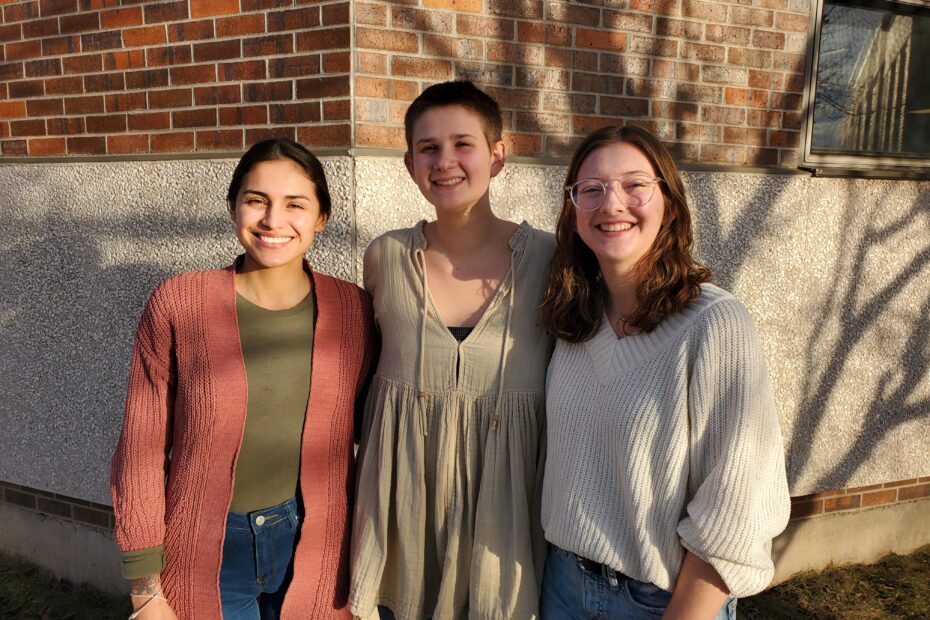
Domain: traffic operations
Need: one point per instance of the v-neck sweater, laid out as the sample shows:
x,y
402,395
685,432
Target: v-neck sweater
x,y
172,473
668,441
450,465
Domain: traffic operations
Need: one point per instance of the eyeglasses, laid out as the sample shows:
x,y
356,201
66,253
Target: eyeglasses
x,y
590,194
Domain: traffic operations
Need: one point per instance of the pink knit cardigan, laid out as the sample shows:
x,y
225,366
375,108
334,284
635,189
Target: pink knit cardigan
x,y
185,414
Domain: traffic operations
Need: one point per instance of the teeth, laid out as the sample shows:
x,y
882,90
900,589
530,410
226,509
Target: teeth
x,y
615,227
274,239
447,182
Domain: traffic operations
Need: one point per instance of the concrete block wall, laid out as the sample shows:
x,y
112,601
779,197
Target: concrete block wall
x,y
835,284
832,271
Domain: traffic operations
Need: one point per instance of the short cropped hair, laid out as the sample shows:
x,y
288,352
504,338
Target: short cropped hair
x,y
274,149
462,93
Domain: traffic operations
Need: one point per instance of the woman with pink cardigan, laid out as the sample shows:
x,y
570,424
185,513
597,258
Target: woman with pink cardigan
x,y
233,477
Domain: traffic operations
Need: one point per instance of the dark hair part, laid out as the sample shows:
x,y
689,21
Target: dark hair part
x,y
280,148
668,277
462,93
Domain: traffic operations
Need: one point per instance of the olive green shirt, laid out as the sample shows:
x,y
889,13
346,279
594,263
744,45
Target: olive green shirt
x,y
277,346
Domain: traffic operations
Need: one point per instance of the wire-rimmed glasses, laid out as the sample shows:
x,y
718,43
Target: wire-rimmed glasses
x,y
636,191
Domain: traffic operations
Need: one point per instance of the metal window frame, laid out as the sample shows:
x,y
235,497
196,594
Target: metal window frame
x,y
849,164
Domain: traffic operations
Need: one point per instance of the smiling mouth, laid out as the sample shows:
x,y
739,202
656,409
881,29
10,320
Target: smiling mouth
x,y
273,240
448,182
619,227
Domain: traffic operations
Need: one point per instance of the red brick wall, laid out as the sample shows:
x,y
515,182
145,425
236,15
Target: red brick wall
x,y
722,81
115,77
855,498
825,502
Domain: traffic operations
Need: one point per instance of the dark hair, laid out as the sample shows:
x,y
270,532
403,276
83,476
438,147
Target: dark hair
x,y
462,93
668,277
280,148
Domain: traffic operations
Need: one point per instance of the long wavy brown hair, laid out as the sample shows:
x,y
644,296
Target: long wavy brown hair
x,y
668,276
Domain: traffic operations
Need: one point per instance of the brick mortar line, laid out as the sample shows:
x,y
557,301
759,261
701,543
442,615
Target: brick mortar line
x,y
84,505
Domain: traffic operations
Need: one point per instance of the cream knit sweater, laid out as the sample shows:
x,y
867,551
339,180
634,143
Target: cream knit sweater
x,y
667,441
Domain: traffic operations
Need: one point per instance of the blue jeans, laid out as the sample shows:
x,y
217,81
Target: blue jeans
x,y
257,561
571,592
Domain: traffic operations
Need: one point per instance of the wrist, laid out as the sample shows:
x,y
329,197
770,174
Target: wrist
x,y
140,604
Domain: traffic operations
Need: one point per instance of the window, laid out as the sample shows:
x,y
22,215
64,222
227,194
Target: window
x,y
868,101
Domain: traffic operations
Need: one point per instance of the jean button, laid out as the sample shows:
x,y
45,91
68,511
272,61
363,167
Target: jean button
x,y
259,520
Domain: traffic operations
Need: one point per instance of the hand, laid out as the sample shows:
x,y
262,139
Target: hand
x,y
148,596
157,609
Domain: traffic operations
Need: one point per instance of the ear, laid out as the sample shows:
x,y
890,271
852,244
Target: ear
x,y
231,211
498,157
408,162
321,223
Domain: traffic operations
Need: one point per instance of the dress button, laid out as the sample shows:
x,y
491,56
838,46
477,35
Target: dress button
x,y
259,520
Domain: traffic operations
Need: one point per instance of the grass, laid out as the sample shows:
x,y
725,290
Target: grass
x,y
896,587
28,592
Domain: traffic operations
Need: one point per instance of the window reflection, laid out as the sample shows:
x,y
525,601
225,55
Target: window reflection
x,y
873,81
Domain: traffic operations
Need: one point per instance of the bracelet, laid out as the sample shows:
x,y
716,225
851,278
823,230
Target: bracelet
x,y
136,613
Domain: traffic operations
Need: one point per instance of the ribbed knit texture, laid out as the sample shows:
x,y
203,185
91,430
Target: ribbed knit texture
x,y
187,395
450,474
668,441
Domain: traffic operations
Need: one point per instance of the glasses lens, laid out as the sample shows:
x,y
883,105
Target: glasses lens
x,y
588,194
638,189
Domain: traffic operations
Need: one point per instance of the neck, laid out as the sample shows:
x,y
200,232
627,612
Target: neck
x,y
273,288
621,293
465,232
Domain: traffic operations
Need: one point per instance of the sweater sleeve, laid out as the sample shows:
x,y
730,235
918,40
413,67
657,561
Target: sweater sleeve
x,y
737,489
139,465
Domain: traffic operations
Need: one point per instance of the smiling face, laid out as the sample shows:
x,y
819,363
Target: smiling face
x,y
450,159
619,235
276,215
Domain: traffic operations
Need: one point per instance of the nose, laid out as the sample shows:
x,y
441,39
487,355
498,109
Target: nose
x,y
444,159
271,217
613,198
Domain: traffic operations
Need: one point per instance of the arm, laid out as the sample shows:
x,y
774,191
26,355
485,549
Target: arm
x,y
138,469
699,593
370,349
737,487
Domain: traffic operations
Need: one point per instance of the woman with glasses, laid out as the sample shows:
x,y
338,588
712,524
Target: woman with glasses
x,y
665,478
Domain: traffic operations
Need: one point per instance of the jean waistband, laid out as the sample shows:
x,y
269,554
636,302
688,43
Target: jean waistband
x,y
258,518
613,576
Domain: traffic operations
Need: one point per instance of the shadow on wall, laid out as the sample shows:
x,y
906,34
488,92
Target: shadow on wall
x,y
75,269
867,330
85,246
863,303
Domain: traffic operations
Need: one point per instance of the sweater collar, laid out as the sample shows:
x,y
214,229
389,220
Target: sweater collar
x,y
611,355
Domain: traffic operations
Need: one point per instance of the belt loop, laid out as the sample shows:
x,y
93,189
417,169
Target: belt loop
x,y
611,576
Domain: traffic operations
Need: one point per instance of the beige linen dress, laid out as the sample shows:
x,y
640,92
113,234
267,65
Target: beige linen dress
x,y
453,446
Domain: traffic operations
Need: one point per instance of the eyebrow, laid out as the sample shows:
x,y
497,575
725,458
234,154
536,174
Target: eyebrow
x,y
624,174
454,137
264,195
